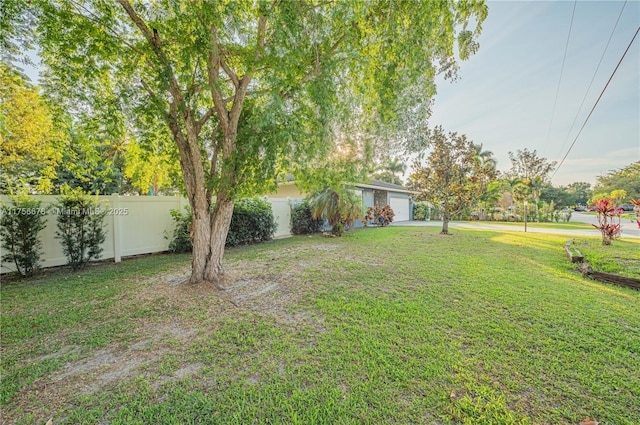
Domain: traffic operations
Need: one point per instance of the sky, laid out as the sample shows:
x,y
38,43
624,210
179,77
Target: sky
x,y
505,95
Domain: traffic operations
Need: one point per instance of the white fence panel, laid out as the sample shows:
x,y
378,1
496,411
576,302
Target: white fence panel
x,y
282,214
134,225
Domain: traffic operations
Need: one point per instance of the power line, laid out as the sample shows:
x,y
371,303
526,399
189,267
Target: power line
x,y
593,78
596,104
564,59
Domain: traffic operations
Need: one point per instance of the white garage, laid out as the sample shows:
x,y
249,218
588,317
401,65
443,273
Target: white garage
x,y
400,207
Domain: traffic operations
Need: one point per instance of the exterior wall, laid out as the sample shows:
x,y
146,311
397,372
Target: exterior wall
x,y
135,225
286,190
367,197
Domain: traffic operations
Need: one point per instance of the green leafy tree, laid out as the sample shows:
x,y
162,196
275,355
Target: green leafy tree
x,y
90,163
580,193
483,156
532,170
617,196
528,166
151,167
29,139
451,178
251,90
626,178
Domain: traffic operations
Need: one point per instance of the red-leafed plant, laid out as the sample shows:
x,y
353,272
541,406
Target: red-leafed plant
x,y
380,216
636,208
607,210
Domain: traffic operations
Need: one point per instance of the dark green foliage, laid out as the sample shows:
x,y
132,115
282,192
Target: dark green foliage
x,y
80,227
181,241
20,224
421,211
252,222
302,221
338,229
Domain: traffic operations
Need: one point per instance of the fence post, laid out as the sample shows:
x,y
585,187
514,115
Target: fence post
x,y
117,248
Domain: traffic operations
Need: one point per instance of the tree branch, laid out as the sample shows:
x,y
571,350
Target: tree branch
x,y
232,75
154,40
154,98
213,71
94,19
202,121
317,66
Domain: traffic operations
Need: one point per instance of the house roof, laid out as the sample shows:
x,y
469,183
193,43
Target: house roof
x,y
378,184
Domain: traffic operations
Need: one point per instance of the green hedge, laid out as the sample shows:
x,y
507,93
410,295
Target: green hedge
x,y
302,221
421,211
252,222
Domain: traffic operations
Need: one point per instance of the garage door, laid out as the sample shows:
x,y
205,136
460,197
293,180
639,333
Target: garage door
x,y
400,208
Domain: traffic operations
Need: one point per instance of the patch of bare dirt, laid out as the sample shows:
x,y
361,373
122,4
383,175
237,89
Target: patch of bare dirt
x,y
256,286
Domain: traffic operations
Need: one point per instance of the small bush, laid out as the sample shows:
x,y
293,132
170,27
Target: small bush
x,y
20,224
252,221
181,241
421,211
338,229
302,221
80,227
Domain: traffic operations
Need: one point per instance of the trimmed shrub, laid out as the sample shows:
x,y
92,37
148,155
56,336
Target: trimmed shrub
x,y
80,227
20,224
252,221
421,211
302,221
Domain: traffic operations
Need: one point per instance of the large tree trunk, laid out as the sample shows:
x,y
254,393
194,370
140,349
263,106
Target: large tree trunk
x,y
208,240
445,224
219,229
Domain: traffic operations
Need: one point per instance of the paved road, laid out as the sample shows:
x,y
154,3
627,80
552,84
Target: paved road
x,y
628,229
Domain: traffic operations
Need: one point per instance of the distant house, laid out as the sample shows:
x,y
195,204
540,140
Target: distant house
x,y
379,193
373,193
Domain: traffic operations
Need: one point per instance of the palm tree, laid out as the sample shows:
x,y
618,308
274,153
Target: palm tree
x,y
484,157
338,207
395,166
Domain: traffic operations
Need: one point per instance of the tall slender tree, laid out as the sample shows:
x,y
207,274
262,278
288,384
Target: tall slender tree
x,y
250,89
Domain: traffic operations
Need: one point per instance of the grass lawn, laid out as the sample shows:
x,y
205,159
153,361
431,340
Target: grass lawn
x,y
384,326
572,225
622,257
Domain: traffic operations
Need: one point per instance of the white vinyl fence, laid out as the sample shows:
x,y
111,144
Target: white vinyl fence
x,y
134,225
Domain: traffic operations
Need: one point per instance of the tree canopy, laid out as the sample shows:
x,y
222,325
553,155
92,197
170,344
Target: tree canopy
x,y
528,166
29,140
626,178
452,177
251,90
